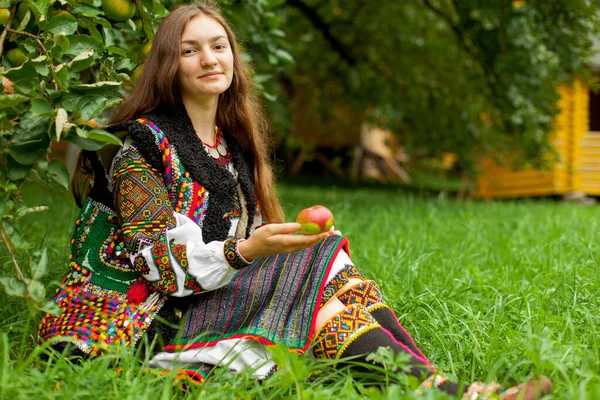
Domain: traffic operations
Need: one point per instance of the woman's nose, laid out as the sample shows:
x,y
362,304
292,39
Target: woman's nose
x,y
208,59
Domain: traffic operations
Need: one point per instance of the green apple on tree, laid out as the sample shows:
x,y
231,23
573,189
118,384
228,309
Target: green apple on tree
x,y
4,14
16,57
118,10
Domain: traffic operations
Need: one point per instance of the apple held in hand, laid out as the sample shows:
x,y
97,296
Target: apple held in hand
x,y
315,220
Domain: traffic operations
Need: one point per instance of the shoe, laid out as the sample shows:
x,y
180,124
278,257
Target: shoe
x,y
531,390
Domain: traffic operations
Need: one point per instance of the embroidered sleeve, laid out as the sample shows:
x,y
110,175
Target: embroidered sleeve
x,y
165,246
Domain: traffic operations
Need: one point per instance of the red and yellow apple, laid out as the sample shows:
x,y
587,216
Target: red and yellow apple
x,y
315,220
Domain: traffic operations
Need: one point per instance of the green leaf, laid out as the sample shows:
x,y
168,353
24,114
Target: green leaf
x,y
39,268
61,46
82,61
16,171
109,36
51,308
26,154
30,45
59,173
285,56
80,43
62,73
11,100
117,50
90,106
24,21
25,71
63,23
146,22
149,4
41,106
14,236
90,25
4,3
37,290
41,68
84,143
33,128
68,101
26,86
61,119
13,286
86,10
102,22
99,136
106,88
159,10
125,63
40,7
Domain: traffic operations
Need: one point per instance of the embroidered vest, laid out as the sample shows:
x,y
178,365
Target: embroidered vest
x,y
96,299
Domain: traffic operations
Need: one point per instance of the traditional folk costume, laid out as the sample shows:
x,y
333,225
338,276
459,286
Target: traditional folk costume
x,y
158,234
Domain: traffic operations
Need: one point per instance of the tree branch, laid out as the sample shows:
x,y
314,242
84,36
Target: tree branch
x,y
324,28
6,29
12,255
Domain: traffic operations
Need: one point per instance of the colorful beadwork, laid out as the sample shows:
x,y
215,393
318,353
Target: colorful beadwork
x,y
113,252
94,322
199,204
232,254
341,330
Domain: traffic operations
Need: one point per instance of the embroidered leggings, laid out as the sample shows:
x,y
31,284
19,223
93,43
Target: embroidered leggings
x,y
364,324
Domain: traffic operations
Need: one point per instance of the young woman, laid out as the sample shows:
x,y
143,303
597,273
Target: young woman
x,y
183,223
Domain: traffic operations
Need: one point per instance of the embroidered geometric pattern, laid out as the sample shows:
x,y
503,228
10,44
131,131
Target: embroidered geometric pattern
x,y
366,293
341,330
232,255
338,281
177,180
178,251
141,201
166,283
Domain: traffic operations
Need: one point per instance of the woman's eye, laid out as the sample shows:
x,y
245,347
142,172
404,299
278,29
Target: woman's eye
x,y
188,51
220,47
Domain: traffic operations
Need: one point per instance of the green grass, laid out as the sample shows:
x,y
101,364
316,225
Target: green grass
x,y
489,290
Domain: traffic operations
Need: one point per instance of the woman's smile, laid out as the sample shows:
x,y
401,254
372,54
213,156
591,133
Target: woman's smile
x,y
211,75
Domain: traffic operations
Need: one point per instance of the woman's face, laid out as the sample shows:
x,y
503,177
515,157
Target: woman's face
x,y
206,59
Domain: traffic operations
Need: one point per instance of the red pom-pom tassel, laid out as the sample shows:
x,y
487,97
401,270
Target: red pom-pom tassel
x,y
138,292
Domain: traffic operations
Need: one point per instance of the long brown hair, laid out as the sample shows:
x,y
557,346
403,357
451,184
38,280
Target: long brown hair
x,y
238,113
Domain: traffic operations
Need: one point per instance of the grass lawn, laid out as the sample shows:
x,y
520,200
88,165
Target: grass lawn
x,y
489,290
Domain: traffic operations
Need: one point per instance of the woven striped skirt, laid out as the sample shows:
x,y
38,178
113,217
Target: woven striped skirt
x,y
274,300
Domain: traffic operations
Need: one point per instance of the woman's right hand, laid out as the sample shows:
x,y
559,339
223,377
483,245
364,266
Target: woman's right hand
x,y
277,239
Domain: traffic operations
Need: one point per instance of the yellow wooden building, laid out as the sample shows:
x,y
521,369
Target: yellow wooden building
x,y
577,141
